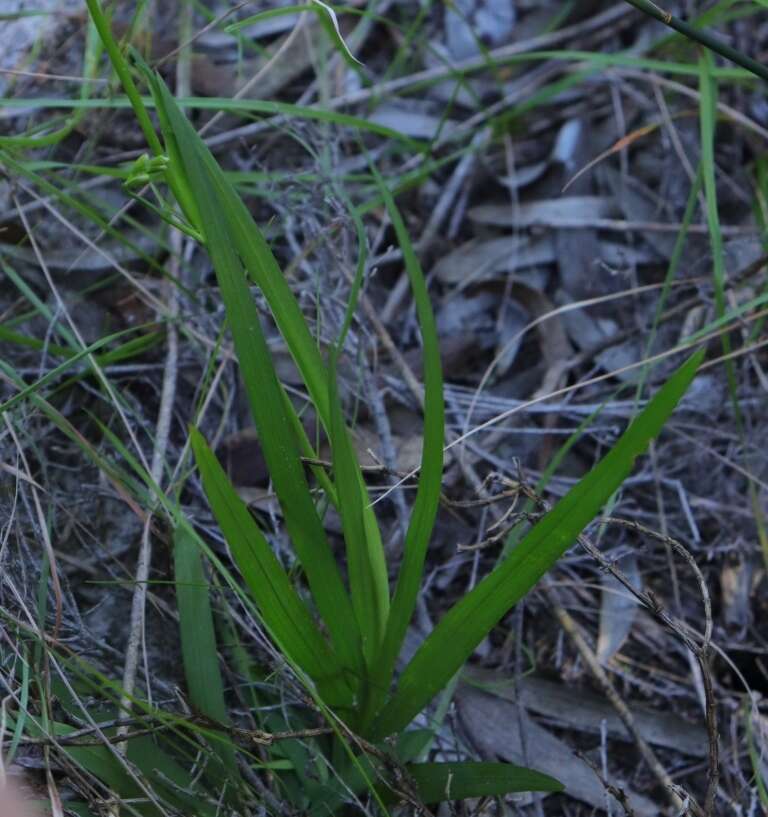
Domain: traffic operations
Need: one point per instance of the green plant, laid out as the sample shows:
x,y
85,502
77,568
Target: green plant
x,y
350,671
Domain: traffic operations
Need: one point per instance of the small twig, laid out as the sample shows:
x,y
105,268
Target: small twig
x,y
701,36
685,346
258,736
54,77
615,791
701,650
601,676
185,44
136,632
680,550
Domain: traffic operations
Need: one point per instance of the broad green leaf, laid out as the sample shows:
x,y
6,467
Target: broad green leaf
x,y
105,765
227,232
365,555
457,634
436,782
411,743
259,262
285,615
430,476
231,232
198,639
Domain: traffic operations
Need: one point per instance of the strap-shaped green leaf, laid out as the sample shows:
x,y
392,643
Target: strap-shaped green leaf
x,y
219,204
457,634
436,782
198,639
225,233
365,556
353,500
430,475
368,572
285,615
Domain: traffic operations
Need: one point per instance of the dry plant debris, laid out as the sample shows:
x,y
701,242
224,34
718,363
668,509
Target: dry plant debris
x,y
586,194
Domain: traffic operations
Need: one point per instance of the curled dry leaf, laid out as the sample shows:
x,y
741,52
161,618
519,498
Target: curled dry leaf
x,y
617,609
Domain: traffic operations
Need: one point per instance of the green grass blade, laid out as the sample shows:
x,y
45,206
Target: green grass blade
x,y
326,16
33,388
226,233
234,28
75,201
436,782
451,643
707,122
198,639
283,612
430,476
756,757
122,69
278,110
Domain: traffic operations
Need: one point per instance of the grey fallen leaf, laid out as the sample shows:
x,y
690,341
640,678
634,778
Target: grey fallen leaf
x,y
577,250
523,176
705,395
587,331
411,122
695,319
85,258
481,260
568,143
19,36
514,319
740,253
485,259
472,23
586,711
570,210
736,590
497,728
617,609
638,204
217,38
463,313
